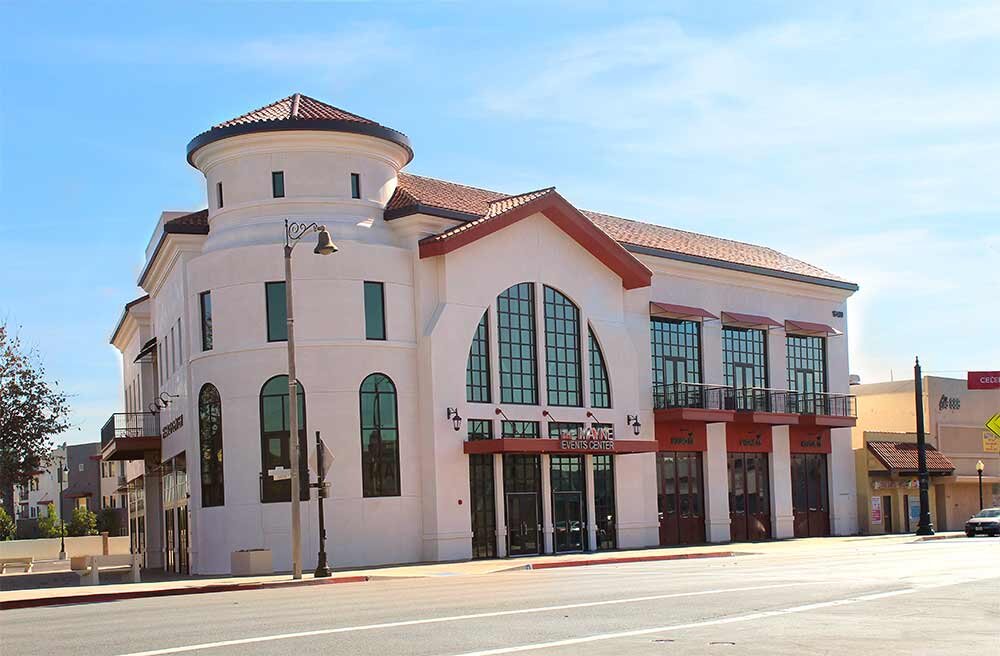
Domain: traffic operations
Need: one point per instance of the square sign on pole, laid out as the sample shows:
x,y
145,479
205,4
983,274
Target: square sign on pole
x,y
327,459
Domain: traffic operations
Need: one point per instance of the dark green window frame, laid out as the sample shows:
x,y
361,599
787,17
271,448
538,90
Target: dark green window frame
x,y
744,347
676,342
518,355
518,428
806,353
600,384
355,185
218,195
275,427
557,427
277,311
477,370
379,437
480,429
374,310
563,370
205,303
213,489
278,184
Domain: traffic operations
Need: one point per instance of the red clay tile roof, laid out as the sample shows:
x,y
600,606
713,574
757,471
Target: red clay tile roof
x,y
195,223
902,456
494,209
420,194
295,106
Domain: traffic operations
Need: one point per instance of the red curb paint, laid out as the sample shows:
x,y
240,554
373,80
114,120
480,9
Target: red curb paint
x,y
633,559
171,592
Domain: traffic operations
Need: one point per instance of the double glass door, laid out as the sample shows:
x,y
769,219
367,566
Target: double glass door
x,y
569,509
810,495
523,504
680,497
749,497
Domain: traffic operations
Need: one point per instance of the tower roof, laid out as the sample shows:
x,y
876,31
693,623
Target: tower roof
x,y
297,112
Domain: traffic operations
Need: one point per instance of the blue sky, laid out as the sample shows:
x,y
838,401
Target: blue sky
x,y
865,140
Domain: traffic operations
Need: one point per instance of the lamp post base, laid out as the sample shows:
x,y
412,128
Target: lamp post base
x,y
925,530
322,569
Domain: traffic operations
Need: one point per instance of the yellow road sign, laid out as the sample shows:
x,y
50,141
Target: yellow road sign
x,y
994,424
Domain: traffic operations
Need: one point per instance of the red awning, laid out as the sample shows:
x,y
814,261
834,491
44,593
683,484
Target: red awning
x,y
810,328
749,320
679,311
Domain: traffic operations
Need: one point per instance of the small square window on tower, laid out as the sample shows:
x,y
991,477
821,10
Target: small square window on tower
x,y
278,184
355,185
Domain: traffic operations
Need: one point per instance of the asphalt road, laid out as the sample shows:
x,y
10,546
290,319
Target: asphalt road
x,y
862,597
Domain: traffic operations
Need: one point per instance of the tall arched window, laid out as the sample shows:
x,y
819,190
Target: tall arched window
x,y
274,444
600,386
562,350
518,360
379,437
477,371
213,491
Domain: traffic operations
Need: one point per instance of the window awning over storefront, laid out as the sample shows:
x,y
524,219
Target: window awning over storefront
x,y
147,349
741,320
810,328
679,311
901,457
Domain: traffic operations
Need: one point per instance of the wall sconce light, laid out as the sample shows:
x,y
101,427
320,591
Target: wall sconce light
x,y
166,401
633,420
456,420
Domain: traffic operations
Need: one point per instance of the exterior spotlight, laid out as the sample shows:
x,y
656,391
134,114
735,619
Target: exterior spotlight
x,y
634,421
456,420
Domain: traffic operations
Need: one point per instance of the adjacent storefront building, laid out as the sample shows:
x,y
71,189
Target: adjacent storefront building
x,y
496,375
885,449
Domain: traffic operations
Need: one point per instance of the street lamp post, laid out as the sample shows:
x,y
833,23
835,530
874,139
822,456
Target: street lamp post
x,y
324,246
979,470
63,471
924,527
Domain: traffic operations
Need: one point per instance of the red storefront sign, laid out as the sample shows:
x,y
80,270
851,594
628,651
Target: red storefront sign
x,y
981,380
805,439
681,436
748,438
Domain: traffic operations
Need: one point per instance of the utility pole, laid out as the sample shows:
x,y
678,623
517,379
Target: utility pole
x,y
924,527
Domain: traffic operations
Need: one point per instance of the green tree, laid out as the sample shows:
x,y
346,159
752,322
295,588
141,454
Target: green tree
x,y
7,527
82,522
32,411
50,526
108,521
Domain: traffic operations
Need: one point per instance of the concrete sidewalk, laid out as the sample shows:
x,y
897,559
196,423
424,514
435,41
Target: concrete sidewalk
x,y
209,584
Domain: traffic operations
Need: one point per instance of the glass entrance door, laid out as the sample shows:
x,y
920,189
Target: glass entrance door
x,y
749,497
810,495
680,497
569,510
182,540
523,507
604,501
482,505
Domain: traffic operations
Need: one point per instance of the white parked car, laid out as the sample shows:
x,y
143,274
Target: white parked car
x,y
985,522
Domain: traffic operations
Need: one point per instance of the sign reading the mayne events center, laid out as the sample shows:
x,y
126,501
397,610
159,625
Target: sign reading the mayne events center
x,y
589,440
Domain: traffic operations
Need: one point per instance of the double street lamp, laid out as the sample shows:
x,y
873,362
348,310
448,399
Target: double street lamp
x,y
324,246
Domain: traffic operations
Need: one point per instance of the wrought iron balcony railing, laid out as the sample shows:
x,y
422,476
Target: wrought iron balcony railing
x,y
130,424
753,399
692,395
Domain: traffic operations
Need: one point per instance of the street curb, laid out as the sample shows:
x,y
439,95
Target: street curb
x,y
631,559
101,597
926,538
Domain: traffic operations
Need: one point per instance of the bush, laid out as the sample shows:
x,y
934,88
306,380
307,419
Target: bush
x,y
7,527
50,526
82,522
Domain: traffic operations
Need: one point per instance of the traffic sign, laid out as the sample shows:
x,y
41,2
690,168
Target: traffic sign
x,y
994,424
327,459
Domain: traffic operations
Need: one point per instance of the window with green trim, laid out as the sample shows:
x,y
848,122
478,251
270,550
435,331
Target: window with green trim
x,y
600,386
519,429
557,428
676,350
205,299
480,429
277,313
562,350
275,428
518,359
374,310
477,371
278,184
379,437
213,491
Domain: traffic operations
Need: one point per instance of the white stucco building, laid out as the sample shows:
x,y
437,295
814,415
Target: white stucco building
x,y
534,320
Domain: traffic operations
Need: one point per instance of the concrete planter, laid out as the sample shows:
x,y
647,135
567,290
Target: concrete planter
x,y
251,562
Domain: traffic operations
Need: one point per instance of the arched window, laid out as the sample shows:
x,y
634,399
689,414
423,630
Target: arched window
x,y
379,437
210,439
274,444
600,386
518,360
562,350
477,371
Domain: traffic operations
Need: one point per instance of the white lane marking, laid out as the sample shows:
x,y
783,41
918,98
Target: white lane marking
x,y
722,620
455,618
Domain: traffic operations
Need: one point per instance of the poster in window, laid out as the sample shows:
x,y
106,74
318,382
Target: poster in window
x,y
876,510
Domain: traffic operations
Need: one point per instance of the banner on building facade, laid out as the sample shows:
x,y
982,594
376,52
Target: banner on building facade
x,y
876,510
981,380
